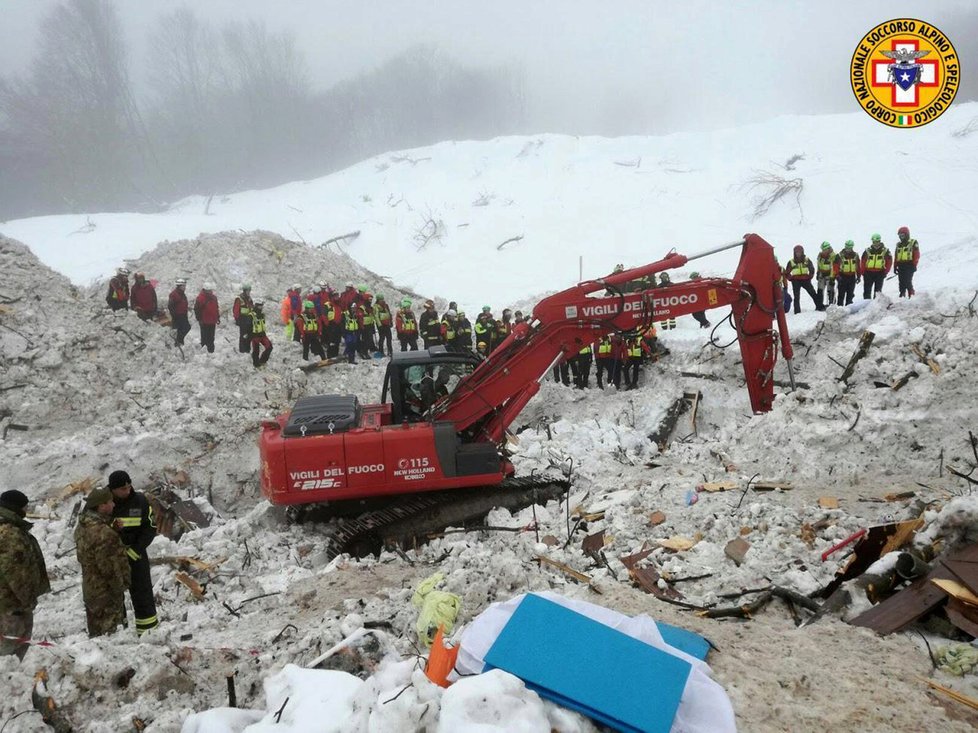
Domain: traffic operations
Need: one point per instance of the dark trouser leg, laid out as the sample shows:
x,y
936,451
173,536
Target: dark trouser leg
x,y
847,286
384,341
806,285
905,278
413,343
575,370
796,288
305,347
141,593
182,325
254,352
15,625
207,336
700,317
333,334
877,278
104,615
317,347
404,343
350,340
584,371
616,373
244,334
267,351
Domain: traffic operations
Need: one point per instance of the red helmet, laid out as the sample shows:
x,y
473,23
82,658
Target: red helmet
x,y
903,230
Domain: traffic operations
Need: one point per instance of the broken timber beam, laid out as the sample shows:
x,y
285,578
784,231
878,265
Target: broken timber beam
x,y
668,423
864,343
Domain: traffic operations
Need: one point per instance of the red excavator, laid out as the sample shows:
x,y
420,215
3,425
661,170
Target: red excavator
x,y
443,415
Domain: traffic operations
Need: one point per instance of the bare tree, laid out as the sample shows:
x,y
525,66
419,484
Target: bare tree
x,y
75,113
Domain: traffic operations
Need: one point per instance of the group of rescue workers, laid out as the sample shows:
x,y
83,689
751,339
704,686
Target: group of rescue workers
x,y
327,322
111,539
836,274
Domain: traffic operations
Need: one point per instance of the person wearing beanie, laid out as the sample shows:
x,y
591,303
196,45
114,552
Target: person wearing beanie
x,y
105,570
133,517
23,575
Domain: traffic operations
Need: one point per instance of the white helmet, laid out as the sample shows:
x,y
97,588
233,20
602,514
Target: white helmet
x,y
122,271
181,281
209,285
451,313
297,286
324,285
349,284
258,303
316,289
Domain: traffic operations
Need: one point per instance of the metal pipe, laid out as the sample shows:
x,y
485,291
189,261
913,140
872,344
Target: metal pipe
x,y
721,248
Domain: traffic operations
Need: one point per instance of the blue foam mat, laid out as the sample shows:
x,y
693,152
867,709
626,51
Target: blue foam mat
x,y
592,668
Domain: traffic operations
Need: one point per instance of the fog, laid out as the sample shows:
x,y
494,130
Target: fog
x,y
389,73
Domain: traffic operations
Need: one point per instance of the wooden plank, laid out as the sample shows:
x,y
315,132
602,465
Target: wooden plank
x,y
903,608
713,486
956,590
963,615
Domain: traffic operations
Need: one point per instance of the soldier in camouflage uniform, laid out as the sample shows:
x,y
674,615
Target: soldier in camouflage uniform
x,y
105,569
23,576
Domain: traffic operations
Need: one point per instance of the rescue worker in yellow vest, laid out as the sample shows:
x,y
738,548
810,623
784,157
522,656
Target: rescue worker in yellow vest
x,y
848,269
463,331
241,310
485,328
635,350
582,367
367,328
449,335
905,261
352,323
259,335
385,323
876,263
800,272
605,358
407,327
331,323
669,323
700,316
308,325
132,515
825,274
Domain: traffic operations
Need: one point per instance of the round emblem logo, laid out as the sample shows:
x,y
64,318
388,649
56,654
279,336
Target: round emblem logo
x,y
905,73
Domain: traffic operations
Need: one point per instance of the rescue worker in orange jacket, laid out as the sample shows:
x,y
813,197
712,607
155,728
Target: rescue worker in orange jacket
x,y
142,297
800,271
385,322
876,263
407,327
848,270
308,326
905,261
118,296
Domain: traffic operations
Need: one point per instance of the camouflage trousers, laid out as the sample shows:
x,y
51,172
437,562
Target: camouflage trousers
x,y
105,616
19,625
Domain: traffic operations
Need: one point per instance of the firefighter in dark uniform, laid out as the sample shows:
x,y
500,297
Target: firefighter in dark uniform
x,y
133,517
242,310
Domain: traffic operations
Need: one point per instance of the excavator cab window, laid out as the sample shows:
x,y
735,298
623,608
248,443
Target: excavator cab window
x,y
419,380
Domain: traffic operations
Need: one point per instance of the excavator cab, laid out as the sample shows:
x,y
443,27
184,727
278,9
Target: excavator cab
x,y
418,380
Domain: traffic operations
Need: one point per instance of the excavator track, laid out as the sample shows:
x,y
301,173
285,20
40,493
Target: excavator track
x,y
411,518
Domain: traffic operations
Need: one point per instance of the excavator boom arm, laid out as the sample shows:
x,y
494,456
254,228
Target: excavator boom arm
x,y
489,399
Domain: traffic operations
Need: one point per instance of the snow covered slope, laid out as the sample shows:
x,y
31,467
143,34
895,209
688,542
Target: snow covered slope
x,y
624,200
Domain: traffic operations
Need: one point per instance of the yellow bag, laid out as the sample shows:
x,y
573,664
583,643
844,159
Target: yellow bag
x,y
438,608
